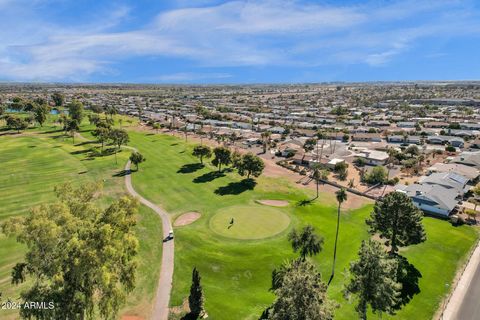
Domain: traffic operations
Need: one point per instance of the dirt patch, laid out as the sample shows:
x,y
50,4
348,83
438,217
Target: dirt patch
x,y
186,219
274,203
182,309
275,171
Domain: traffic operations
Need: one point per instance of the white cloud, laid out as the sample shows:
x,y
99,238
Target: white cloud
x,y
189,77
236,33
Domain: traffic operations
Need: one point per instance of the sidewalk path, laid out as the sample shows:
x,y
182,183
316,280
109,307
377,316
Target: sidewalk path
x,y
463,303
160,309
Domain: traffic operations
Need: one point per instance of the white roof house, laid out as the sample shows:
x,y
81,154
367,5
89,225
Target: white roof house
x,y
373,157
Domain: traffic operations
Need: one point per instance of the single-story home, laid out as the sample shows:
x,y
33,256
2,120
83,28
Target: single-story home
x,y
367,137
471,159
469,172
453,141
373,157
333,162
434,199
456,183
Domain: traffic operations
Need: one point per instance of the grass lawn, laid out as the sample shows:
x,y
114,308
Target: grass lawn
x,y
249,222
236,273
40,159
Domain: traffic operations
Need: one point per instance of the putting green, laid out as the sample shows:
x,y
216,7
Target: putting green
x,y
250,222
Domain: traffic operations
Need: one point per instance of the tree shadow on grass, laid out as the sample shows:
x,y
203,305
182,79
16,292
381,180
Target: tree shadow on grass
x,y
235,188
304,202
209,176
52,131
408,276
190,316
122,173
190,167
80,151
83,143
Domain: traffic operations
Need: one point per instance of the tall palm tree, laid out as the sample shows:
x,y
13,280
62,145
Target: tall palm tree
x,y
316,175
341,197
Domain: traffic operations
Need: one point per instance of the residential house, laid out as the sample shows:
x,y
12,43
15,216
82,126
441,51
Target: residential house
x,y
450,180
434,199
471,159
453,141
373,137
373,157
471,173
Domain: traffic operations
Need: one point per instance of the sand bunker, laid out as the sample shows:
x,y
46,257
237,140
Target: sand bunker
x,y
274,203
186,219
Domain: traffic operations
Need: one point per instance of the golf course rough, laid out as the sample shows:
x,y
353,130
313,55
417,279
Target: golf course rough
x,y
249,222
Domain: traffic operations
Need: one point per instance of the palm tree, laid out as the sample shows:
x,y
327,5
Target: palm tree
x,y
341,197
316,174
307,242
266,140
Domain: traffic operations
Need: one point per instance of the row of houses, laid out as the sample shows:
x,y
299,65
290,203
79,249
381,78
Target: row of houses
x,y
446,185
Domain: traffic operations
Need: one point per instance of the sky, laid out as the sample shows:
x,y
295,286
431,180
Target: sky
x,y
264,41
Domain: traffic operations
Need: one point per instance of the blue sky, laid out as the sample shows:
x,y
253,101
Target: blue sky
x,y
265,41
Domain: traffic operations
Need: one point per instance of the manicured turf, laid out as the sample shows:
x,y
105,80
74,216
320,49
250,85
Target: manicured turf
x,y
236,274
33,163
251,222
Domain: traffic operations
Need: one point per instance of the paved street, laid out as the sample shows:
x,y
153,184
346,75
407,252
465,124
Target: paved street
x,y
470,307
464,303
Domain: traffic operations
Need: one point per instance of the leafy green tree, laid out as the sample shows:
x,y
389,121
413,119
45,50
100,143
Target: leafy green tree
x,y
111,110
16,123
377,175
75,111
307,242
29,106
136,158
300,294
308,146
222,157
397,219
249,165
58,99
71,126
40,113
236,159
80,255
341,196
201,152
342,170
119,138
412,150
17,104
373,280
102,134
94,119
196,300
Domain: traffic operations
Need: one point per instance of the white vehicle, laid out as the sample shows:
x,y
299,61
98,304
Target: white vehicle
x,y
170,234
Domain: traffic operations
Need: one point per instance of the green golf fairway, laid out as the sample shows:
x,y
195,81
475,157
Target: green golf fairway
x,y
249,222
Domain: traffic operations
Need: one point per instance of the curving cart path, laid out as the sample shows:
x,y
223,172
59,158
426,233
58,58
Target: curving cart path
x,y
162,299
